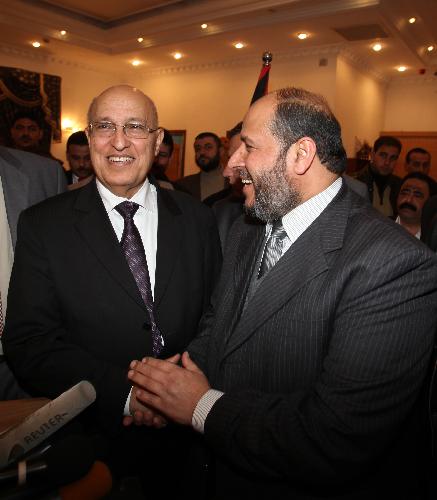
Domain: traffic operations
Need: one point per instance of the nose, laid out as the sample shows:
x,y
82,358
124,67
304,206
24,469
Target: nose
x,y
238,158
119,140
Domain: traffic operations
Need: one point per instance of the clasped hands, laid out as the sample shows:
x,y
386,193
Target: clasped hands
x,y
163,390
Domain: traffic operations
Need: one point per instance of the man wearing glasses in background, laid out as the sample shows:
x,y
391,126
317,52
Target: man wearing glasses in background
x,y
117,270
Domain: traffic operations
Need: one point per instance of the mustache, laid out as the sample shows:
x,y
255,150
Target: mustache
x,y
408,205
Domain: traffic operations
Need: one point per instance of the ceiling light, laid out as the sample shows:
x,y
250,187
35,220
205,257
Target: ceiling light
x,y
62,32
238,45
204,26
140,39
376,47
177,55
136,62
430,48
302,36
401,69
36,44
412,20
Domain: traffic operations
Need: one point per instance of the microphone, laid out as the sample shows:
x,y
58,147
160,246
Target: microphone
x,y
38,426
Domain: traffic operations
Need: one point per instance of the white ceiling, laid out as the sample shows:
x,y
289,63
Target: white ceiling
x,y
103,33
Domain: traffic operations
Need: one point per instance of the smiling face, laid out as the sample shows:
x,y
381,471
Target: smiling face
x,y
412,196
122,163
270,192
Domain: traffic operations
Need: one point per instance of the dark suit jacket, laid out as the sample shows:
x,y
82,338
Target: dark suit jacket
x,y
429,223
322,369
75,311
189,184
27,179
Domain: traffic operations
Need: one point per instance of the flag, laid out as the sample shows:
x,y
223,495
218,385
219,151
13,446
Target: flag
x,y
261,88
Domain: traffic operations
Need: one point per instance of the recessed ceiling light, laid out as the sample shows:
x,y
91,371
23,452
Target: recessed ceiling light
x,y
177,55
136,62
412,20
204,26
62,32
401,69
430,48
376,47
36,44
238,45
140,39
302,36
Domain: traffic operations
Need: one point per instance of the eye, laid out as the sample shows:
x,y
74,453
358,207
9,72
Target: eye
x,y
104,125
135,127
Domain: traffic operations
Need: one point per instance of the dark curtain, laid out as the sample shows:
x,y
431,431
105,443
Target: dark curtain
x,y
22,90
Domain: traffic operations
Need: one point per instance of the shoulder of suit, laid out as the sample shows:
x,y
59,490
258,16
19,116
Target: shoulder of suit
x,y
175,200
28,162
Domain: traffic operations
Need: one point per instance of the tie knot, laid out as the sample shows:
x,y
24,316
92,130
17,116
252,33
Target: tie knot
x,y
278,231
127,209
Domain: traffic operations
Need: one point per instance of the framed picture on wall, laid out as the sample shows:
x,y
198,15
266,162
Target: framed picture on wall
x,y
175,170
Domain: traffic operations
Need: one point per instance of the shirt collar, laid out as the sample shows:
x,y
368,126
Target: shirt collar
x,y
145,197
301,217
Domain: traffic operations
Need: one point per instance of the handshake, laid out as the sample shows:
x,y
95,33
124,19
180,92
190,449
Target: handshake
x,y
164,390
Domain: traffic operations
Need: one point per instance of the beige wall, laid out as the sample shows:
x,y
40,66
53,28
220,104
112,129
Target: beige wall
x,y
359,105
215,100
78,87
412,104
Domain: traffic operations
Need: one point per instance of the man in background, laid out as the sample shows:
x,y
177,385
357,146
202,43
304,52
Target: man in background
x,y
26,133
382,184
307,369
25,179
207,150
79,159
416,188
418,160
162,161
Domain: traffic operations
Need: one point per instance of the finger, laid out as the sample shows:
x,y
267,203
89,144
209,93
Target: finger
x,y
155,364
149,399
127,421
189,364
138,417
159,422
154,383
174,359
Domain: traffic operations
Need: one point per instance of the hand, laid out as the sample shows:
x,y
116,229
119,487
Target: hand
x,y
140,414
172,390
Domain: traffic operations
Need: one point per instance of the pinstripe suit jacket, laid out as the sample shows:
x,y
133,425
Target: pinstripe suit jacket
x,y
322,369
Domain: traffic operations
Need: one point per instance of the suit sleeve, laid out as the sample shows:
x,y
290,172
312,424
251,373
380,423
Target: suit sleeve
x,y
36,343
381,337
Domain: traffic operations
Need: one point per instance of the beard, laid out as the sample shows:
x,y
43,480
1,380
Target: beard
x,y
275,195
207,164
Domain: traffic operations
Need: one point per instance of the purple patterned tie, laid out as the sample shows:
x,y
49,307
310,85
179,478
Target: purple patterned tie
x,y
136,258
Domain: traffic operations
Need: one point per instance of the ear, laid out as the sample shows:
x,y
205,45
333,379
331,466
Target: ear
x,y
159,139
301,155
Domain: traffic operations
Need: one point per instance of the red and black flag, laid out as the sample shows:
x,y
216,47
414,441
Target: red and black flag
x,y
263,80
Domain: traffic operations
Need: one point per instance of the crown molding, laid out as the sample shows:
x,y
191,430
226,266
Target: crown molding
x,y
245,61
46,57
414,80
362,65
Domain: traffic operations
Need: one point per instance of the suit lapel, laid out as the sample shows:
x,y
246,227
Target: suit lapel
x,y
304,261
170,232
95,228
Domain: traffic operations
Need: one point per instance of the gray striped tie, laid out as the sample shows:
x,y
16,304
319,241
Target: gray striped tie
x,y
273,248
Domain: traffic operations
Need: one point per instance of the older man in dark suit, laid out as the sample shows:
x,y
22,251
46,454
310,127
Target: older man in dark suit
x,y
25,179
307,369
114,270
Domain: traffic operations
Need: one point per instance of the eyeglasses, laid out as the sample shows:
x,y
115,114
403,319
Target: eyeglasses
x,y
132,130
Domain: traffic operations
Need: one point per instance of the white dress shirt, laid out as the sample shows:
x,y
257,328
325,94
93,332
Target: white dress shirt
x,y
146,220
6,255
295,223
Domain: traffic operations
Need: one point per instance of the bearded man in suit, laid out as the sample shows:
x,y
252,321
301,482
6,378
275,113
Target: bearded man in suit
x,y
308,367
113,270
